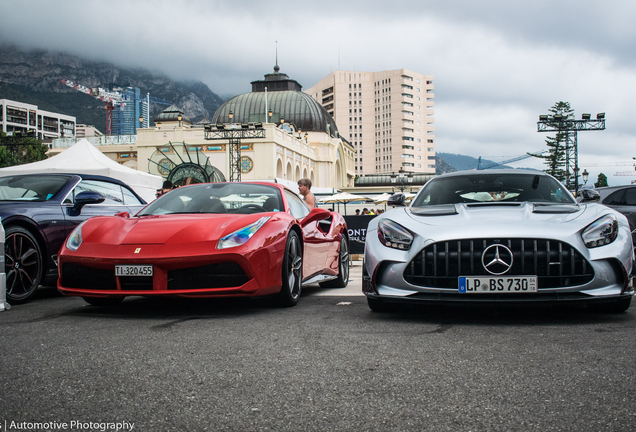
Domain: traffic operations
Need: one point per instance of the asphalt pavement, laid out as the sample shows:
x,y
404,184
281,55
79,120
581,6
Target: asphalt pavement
x,y
327,364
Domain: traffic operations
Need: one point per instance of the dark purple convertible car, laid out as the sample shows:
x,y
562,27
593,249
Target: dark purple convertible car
x,y
38,211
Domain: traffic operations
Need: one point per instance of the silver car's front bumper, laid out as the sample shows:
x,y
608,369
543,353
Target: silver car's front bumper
x,y
383,278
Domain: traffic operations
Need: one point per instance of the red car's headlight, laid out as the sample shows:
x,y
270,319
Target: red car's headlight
x,y
242,235
74,240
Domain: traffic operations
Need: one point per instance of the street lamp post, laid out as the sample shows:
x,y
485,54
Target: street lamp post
x,y
179,117
585,176
401,175
141,122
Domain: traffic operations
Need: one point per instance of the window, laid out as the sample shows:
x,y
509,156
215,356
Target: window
x,y
297,206
111,191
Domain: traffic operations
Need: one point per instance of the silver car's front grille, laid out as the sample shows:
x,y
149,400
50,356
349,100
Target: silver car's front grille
x,y
555,263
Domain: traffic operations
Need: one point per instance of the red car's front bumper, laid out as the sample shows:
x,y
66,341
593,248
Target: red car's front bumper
x,y
185,270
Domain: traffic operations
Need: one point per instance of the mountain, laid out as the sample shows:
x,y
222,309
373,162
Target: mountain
x,y
34,77
443,167
463,162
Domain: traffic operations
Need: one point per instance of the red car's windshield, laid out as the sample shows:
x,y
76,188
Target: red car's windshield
x,y
239,198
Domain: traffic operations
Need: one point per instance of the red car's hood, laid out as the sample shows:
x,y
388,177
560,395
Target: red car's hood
x,y
166,229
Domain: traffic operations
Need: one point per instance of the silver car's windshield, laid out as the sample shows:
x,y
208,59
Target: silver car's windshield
x,y
238,198
31,188
483,187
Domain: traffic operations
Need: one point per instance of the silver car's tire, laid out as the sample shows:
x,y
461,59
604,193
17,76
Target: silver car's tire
x,y
377,305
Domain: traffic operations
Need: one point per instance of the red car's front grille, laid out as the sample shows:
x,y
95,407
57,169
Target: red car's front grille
x,y
82,277
136,283
220,275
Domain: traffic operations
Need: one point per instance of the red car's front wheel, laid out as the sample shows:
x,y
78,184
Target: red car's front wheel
x,y
292,271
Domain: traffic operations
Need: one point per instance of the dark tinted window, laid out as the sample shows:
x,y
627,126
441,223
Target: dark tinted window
x,y
616,198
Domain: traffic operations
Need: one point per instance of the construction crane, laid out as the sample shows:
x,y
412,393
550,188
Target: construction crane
x,y
114,100
496,164
111,99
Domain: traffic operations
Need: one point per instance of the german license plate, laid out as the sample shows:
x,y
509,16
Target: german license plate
x,y
497,284
133,270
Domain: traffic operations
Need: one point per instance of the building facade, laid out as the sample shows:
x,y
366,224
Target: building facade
x,y
289,136
387,116
26,118
86,131
132,107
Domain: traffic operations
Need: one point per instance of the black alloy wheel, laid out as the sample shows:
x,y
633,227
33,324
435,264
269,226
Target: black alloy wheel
x,y
23,264
292,272
343,267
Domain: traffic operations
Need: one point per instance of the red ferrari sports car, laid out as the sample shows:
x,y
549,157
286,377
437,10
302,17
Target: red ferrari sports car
x,y
207,240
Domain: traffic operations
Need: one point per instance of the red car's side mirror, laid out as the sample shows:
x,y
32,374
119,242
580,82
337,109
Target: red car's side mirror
x,y
314,215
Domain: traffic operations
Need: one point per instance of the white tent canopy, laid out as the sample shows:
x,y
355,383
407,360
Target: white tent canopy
x,y
84,158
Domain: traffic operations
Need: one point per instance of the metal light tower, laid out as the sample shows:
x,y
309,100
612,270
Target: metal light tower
x,y
234,133
570,127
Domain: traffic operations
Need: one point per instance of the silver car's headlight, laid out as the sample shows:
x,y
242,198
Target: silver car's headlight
x,y
601,232
75,239
241,236
394,235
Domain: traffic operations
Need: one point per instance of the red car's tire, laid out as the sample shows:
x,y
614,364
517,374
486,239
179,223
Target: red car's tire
x,y
343,267
292,272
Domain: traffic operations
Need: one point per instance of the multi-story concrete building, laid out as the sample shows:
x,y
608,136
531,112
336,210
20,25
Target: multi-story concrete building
x,y
22,117
85,131
387,117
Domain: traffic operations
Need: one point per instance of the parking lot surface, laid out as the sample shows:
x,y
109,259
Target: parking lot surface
x,y
327,364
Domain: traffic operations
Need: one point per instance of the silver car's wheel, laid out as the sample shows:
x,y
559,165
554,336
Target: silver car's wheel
x,y
292,273
22,263
377,305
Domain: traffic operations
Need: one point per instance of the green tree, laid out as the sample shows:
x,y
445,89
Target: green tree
x,y
19,150
601,180
555,158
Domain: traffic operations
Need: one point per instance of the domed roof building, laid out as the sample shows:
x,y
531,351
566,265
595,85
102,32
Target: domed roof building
x,y
277,98
286,135
172,114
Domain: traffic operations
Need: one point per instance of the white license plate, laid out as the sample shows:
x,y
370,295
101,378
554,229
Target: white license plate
x,y
497,284
133,270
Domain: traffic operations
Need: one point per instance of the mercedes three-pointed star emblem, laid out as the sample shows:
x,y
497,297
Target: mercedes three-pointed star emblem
x,y
497,259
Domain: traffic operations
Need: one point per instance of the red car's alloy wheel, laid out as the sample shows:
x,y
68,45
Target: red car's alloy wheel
x,y
292,271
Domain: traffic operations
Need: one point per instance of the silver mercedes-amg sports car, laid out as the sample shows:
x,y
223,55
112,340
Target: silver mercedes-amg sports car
x,y
498,237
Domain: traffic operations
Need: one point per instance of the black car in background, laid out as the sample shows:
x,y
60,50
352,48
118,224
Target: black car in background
x,y
621,199
38,211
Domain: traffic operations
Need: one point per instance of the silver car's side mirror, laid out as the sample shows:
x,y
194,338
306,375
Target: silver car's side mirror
x,y
397,200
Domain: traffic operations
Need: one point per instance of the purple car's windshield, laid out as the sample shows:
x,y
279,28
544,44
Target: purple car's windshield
x,y
238,198
477,188
31,188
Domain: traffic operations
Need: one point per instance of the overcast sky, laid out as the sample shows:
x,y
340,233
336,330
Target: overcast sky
x,y
497,64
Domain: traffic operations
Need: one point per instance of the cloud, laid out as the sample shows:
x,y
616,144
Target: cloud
x,y
496,64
